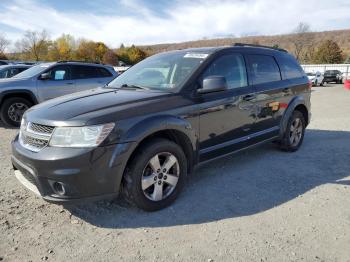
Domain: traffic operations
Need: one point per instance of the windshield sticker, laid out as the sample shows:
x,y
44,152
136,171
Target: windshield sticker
x,y
196,55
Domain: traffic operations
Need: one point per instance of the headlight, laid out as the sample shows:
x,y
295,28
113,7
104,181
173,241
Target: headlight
x,y
85,136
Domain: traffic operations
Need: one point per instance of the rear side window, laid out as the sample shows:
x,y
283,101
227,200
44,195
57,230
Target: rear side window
x,y
290,68
263,69
232,67
84,72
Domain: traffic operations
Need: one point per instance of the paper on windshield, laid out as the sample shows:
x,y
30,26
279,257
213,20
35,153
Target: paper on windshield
x,y
196,55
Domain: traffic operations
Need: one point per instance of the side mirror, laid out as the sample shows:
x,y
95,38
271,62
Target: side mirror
x,y
213,84
45,76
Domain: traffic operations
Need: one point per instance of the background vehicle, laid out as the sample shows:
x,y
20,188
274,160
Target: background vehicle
x,y
316,78
333,76
8,71
144,132
46,81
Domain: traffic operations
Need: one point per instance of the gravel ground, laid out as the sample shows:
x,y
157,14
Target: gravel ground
x,y
258,205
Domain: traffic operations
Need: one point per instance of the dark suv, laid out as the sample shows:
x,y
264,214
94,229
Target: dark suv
x,y
333,76
144,132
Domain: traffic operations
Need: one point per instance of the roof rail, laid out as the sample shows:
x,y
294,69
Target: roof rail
x,y
77,61
264,46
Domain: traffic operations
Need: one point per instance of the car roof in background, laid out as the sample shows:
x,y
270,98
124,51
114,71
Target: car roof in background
x,y
14,66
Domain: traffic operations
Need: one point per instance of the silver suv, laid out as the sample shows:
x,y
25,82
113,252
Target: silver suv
x,y
46,81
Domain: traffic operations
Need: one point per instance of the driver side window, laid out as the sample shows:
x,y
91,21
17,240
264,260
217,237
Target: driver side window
x,y
59,73
232,67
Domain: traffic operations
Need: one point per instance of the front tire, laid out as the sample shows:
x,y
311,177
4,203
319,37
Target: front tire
x,y
294,134
155,175
13,109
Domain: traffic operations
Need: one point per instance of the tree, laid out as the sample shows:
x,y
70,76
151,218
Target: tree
x,y
347,61
110,58
62,48
34,45
91,51
4,43
131,55
328,52
302,42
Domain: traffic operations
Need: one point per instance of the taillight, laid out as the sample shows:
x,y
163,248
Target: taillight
x,y
310,84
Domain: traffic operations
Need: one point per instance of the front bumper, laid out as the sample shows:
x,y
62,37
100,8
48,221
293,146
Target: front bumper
x,y
84,173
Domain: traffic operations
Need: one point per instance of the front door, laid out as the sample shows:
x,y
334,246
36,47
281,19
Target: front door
x,y
59,83
226,117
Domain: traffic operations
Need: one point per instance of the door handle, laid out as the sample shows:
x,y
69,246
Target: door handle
x,y
286,90
69,83
249,97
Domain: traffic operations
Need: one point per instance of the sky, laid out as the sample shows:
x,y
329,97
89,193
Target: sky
x,y
143,22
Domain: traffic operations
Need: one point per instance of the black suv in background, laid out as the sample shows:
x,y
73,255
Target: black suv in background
x,y
333,76
144,132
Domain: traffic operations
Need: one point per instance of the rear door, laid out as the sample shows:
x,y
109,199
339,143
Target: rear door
x,y
226,117
272,93
59,84
89,77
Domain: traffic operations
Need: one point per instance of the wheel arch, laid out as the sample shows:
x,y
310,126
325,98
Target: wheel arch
x,y
26,94
175,129
298,103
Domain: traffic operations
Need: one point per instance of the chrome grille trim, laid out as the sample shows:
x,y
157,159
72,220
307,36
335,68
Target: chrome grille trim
x,y
35,137
40,129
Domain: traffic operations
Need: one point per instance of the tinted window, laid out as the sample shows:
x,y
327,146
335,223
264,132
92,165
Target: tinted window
x,y
4,73
230,66
290,68
58,73
103,72
263,69
84,72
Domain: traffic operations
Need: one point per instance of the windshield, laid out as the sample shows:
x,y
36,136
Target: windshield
x,y
310,74
32,71
162,72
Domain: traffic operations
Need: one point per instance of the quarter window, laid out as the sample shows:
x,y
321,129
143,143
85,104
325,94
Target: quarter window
x,y
290,68
232,67
263,69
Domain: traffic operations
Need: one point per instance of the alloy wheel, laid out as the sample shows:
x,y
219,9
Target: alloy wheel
x,y
160,176
296,132
16,111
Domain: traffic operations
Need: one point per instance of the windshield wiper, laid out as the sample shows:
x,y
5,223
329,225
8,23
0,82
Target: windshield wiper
x,y
132,86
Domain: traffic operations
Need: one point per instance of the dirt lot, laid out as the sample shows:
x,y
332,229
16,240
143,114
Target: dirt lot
x,y
259,205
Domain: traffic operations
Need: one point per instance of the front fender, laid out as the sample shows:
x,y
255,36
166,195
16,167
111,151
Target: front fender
x,y
151,125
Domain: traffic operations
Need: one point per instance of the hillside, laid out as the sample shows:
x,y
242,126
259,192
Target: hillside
x,y
342,37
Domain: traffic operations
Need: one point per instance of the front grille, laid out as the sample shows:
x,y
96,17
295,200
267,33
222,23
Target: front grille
x,y
35,137
40,128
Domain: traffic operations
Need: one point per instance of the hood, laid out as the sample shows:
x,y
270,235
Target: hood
x,y
311,77
10,82
94,106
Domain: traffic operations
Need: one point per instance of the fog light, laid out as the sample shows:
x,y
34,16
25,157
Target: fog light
x,y
59,188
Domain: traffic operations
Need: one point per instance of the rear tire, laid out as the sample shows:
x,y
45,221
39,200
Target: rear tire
x,y
13,109
149,182
294,134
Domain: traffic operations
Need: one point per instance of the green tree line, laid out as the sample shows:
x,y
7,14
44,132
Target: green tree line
x,y
38,46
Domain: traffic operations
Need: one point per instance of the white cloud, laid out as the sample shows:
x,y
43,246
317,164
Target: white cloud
x,y
181,21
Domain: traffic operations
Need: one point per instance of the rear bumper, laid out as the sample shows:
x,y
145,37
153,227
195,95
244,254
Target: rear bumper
x,y
84,174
